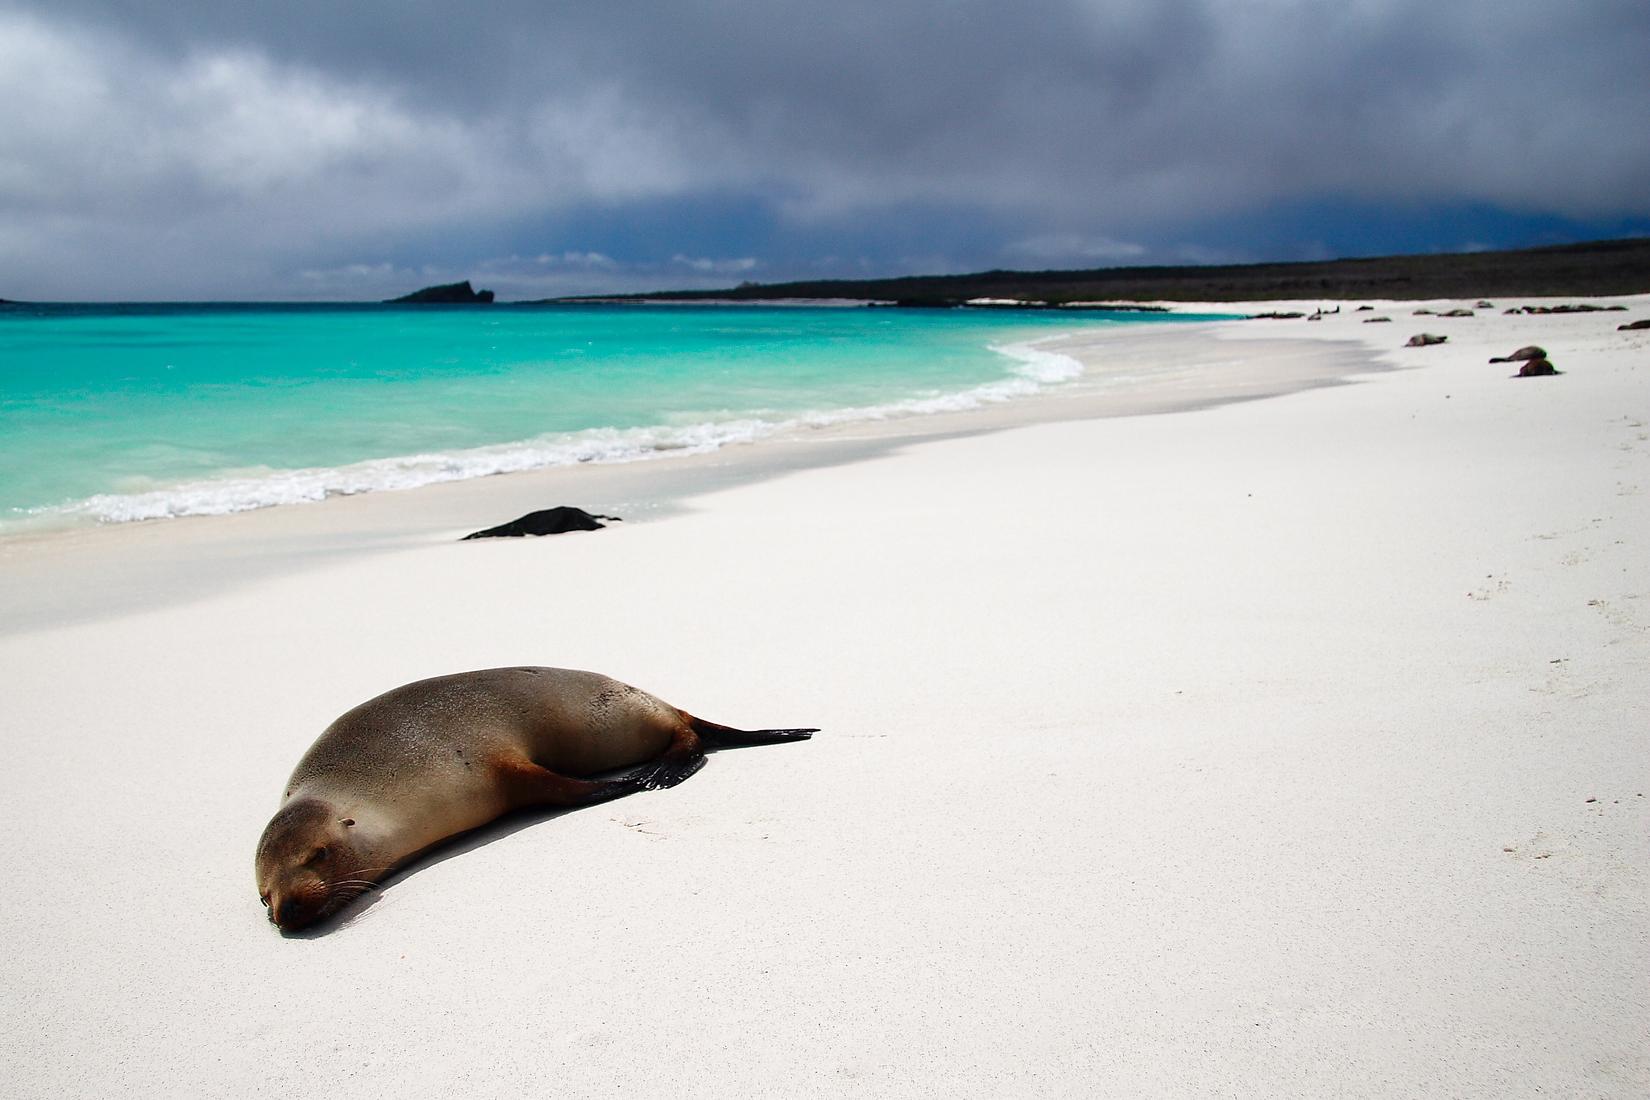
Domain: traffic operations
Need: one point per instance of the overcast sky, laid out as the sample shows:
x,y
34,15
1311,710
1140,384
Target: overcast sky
x,y
197,149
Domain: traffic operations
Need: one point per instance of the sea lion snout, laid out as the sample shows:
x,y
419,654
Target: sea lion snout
x,y
293,912
302,898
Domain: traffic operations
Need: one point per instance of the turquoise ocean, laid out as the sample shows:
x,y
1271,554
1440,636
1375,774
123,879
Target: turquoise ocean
x,y
114,413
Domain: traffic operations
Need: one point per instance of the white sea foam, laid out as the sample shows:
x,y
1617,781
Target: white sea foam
x,y
1035,369
262,488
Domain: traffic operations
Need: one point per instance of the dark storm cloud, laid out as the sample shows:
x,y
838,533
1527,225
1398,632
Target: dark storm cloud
x,y
192,147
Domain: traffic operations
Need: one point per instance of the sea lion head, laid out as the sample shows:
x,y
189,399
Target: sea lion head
x,y
308,866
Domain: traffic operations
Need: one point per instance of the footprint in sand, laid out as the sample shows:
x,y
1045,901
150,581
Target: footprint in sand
x,y
1495,587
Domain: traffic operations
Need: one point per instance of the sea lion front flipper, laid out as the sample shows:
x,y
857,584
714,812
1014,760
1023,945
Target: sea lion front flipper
x,y
528,784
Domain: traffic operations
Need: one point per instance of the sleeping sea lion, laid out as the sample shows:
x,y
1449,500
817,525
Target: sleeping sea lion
x,y
424,762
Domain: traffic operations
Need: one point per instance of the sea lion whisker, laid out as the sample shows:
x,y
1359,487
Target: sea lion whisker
x,y
359,871
338,898
352,883
359,884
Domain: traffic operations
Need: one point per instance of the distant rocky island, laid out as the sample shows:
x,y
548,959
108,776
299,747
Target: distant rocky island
x,y
447,294
1597,267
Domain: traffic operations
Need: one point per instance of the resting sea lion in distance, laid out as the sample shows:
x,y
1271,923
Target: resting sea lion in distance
x,y
1533,351
429,760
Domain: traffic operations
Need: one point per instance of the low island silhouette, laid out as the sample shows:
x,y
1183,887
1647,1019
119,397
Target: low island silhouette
x,y
447,294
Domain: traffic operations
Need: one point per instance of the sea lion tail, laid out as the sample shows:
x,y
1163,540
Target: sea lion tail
x,y
716,736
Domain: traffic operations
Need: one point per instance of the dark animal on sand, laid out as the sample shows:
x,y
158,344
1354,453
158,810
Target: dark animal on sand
x,y
1582,308
1532,351
1425,340
550,521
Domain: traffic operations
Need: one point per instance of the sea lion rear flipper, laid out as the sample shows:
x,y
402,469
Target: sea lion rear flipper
x,y
682,757
717,736
666,771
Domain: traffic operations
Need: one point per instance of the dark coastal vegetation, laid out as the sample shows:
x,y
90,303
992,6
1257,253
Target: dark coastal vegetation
x,y
1597,267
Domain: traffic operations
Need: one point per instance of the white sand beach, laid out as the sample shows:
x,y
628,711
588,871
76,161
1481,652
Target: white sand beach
x,y
1293,747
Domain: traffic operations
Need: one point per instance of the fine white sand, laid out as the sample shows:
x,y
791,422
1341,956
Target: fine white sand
x,y
1290,747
